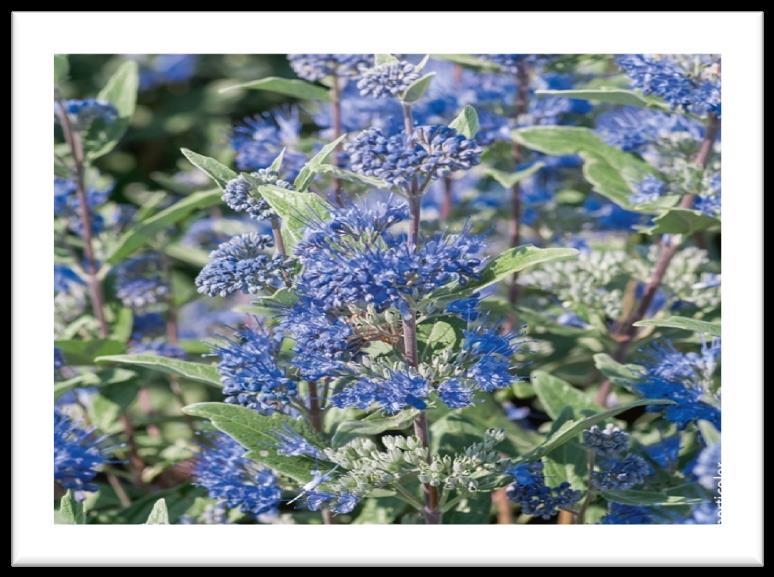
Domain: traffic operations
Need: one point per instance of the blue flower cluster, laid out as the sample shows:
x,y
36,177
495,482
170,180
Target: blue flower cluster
x,y
673,78
401,160
206,233
619,514
250,374
67,205
158,347
241,265
632,129
530,492
322,341
390,79
358,113
65,278
616,470
648,190
353,259
234,480
238,193
610,441
166,69
316,67
78,454
258,140
393,391
140,281
684,379
83,113
317,499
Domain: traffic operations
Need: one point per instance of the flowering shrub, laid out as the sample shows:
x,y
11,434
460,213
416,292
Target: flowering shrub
x,y
440,289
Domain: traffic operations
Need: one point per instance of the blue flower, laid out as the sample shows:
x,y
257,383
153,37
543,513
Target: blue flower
x,y
78,454
240,194
391,79
234,480
205,234
531,493
393,391
140,281
242,265
316,67
321,341
260,139
466,308
607,442
648,190
359,112
250,374
65,279
665,452
620,473
402,160
683,379
353,259
166,69
455,394
83,113
619,514
148,325
67,205
633,129
674,78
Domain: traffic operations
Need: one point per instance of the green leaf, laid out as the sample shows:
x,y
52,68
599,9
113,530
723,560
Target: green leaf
x,y
276,164
350,176
709,433
199,372
144,232
70,510
417,88
380,59
257,433
684,323
78,352
159,514
473,509
61,68
555,395
122,326
568,464
469,61
187,254
296,209
438,334
608,95
218,172
286,86
466,122
121,92
379,511
682,221
620,374
572,428
673,498
612,172
306,174
373,424
99,378
508,179
511,261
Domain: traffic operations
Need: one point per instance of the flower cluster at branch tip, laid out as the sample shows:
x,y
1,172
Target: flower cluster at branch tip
x,y
684,379
316,67
240,194
407,161
141,281
83,113
78,454
355,259
258,140
389,79
242,265
250,374
615,469
530,492
235,480
684,81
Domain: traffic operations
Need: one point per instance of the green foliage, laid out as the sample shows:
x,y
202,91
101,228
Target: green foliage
x,y
198,372
285,86
121,92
